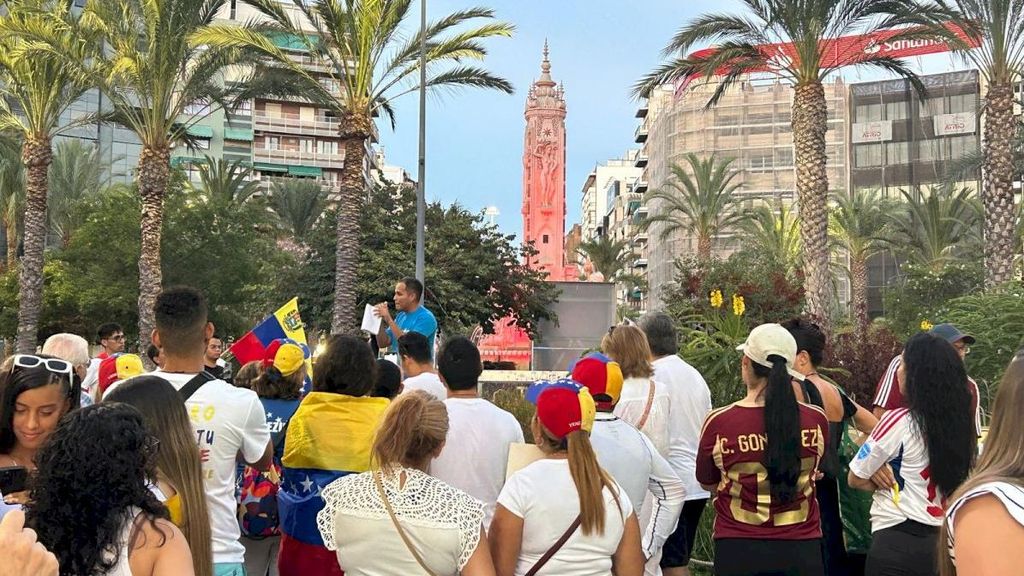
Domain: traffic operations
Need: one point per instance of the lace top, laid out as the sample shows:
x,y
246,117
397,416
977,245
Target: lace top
x,y
436,516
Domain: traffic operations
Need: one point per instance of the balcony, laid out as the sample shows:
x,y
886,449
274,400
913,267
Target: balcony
x,y
292,124
640,214
640,263
641,160
311,63
641,112
640,187
334,186
296,157
641,133
640,238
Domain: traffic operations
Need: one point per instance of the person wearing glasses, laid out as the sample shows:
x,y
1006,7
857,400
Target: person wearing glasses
x,y
110,337
888,395
35,393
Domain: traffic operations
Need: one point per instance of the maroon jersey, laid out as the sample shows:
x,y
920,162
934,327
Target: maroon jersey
x,y
732,454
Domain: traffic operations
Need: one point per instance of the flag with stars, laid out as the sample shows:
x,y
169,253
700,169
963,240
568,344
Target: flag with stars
x,y
328,437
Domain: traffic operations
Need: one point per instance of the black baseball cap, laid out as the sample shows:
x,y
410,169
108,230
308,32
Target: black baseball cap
x,y
951,334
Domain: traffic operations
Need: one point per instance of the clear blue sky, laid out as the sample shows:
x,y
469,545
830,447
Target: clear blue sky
x,y
598,49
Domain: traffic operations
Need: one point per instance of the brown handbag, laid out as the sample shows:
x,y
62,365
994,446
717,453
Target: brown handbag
x,y
647,409
394,519
558,546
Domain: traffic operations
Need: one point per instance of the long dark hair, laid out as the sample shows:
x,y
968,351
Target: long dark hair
x,y
92,473
940,403
782,427
17,379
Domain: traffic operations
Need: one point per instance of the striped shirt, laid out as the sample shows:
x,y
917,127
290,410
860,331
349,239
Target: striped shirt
x,y
889,397
1009,495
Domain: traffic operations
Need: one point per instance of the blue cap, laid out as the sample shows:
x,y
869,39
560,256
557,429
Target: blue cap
x,y
951,334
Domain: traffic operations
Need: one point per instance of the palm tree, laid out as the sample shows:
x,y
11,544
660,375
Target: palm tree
x,y
996,27
374,62
161,78
855,225
775,230
610,257
702,205
12,194
298,204
935,228
76,174
806,26
35,89
226,183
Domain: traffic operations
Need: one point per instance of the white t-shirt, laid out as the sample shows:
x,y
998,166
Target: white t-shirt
x,y
475,452
227,420
427,381
691,403
1011,496
442,522
633,403
634,462
544,496
897,441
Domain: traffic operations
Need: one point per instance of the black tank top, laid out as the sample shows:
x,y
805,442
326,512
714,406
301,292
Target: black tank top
x,y
830,465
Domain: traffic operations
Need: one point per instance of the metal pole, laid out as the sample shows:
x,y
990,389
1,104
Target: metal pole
x,y
421,207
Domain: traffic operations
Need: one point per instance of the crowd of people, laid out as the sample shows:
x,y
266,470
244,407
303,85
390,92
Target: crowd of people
x,y
379,467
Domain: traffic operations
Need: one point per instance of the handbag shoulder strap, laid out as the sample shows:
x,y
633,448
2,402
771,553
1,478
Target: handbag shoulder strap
x,y
394,519
647,409
558,546
194,384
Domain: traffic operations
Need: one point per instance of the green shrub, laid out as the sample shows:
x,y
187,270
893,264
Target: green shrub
x,y
920,294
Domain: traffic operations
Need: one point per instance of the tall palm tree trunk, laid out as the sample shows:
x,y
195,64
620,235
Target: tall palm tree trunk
x,y
37,154
154,172
703,248
352,197
997,194
809,124
859,296
11,232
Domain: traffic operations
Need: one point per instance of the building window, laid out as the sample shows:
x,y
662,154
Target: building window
x,y
761,160
783,157
963,103
897,153
868,112
200,144
306,145
867,155
199,107
327,147
933,106
271,143
545,239
243,108
961,145
930,150
897,110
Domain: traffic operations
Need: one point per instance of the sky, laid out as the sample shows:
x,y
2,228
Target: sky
x,y
599,49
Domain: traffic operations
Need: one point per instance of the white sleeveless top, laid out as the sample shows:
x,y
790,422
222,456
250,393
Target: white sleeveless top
x,y
1009,495
442,522
122,568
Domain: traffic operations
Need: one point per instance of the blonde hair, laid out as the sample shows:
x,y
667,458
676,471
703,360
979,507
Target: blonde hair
x,y
1002,460
628,346
588,476
413,428
177,458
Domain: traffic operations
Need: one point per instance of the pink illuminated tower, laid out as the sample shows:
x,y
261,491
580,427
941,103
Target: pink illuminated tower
x,y
544,174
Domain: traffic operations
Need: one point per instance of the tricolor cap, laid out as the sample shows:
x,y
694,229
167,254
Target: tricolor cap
x,y
768,340
602,376
117,367
563,406
285,355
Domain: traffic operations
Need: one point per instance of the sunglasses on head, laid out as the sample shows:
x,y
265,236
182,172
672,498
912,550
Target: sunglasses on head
x,y
53,365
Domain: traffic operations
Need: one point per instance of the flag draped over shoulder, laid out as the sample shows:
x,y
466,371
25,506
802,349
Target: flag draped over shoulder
x,y
330,436
285,323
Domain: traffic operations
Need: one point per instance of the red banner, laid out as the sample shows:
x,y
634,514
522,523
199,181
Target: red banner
x,y
849,50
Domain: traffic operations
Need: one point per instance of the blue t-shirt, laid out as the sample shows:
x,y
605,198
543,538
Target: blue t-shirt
x,y
419,320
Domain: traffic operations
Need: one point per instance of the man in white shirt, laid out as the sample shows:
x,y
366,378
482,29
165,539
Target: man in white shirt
x,y
418,367
691,402
110,337
229,422
630,456
479,433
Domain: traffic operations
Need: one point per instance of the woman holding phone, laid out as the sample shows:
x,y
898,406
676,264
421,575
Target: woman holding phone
x,y
35,392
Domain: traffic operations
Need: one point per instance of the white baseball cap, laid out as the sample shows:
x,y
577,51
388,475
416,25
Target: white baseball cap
x,y
769,339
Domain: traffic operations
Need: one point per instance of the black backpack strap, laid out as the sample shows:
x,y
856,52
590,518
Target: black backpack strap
x,y
194,384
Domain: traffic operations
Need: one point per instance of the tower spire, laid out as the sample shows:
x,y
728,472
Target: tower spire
x,y
545,69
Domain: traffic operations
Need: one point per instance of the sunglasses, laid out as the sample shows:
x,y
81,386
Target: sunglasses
x,y
53,365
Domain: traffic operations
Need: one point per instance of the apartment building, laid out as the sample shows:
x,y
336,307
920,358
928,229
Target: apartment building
x,y
751,123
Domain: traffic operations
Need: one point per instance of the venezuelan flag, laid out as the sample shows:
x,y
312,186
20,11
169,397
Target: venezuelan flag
x,y
330,436
285,323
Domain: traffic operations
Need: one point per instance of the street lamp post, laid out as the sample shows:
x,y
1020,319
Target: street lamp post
x,y
421,175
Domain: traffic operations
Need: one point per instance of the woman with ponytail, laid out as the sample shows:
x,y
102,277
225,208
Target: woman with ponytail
x,y
984,529
563,514
760,457
179,472
916,457
397,519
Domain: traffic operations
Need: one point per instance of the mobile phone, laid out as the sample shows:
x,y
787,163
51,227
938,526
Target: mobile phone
x,y
13,479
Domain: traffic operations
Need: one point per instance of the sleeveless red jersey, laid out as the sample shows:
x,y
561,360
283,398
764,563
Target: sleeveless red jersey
x,y
732,454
